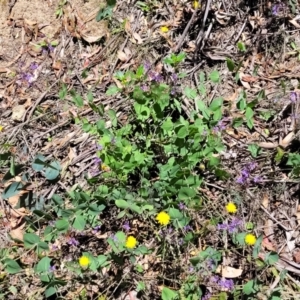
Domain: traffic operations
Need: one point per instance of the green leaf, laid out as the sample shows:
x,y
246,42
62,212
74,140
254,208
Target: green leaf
x,y
135,208
50,291
62,225
43,246
12,190
79,222
230,64
248,288
122,204
30,240
186,193
76,98
279,155
181,131
12,166
43,265
102,259
216,104
214,76
168,294
175,214
112,90
63,92
11,266
240,238
52,170
241,46
271,258
113,117
253,149
167,125
203,108
190,93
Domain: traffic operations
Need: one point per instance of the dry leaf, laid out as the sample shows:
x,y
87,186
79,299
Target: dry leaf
x,y
18,233
268,145
138,38
18,112
229,272
287,140
267,244
122,56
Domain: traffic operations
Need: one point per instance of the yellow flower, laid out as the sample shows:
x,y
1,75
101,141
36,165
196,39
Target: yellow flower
x,y
84,261
163,218
1,128
102,297
105,168
250,239
164,29
131,242
196,4
231,208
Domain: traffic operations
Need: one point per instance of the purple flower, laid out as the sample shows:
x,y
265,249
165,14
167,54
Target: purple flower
x,y
73,242
191,269
226,284
293,97
276,8
187,228
245,173
233,225
222,226
52,269
180,241
154,76
96,228
252,166
144,88
54,247
50,48
147,66
34,66
99,147
174,77
257,179
206,296
214,279
126,226
181,206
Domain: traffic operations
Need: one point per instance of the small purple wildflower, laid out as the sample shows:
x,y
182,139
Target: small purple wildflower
x,y
174,77
191,269
99,147
180,241
73,242
233,225
50,48
145,88
52,269
187,228
154,76
96,228
252,166
257,179
182,206
226,284
245,173
222,226
147,66
126,226
293,97
206,296
34,66
276,8
214,279
54,247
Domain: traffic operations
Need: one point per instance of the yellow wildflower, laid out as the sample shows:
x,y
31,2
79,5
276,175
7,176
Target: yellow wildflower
x,y
164,29
131,242
250,239
231,208
105,168
196,4
102,297
1,128
84,261
163,218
